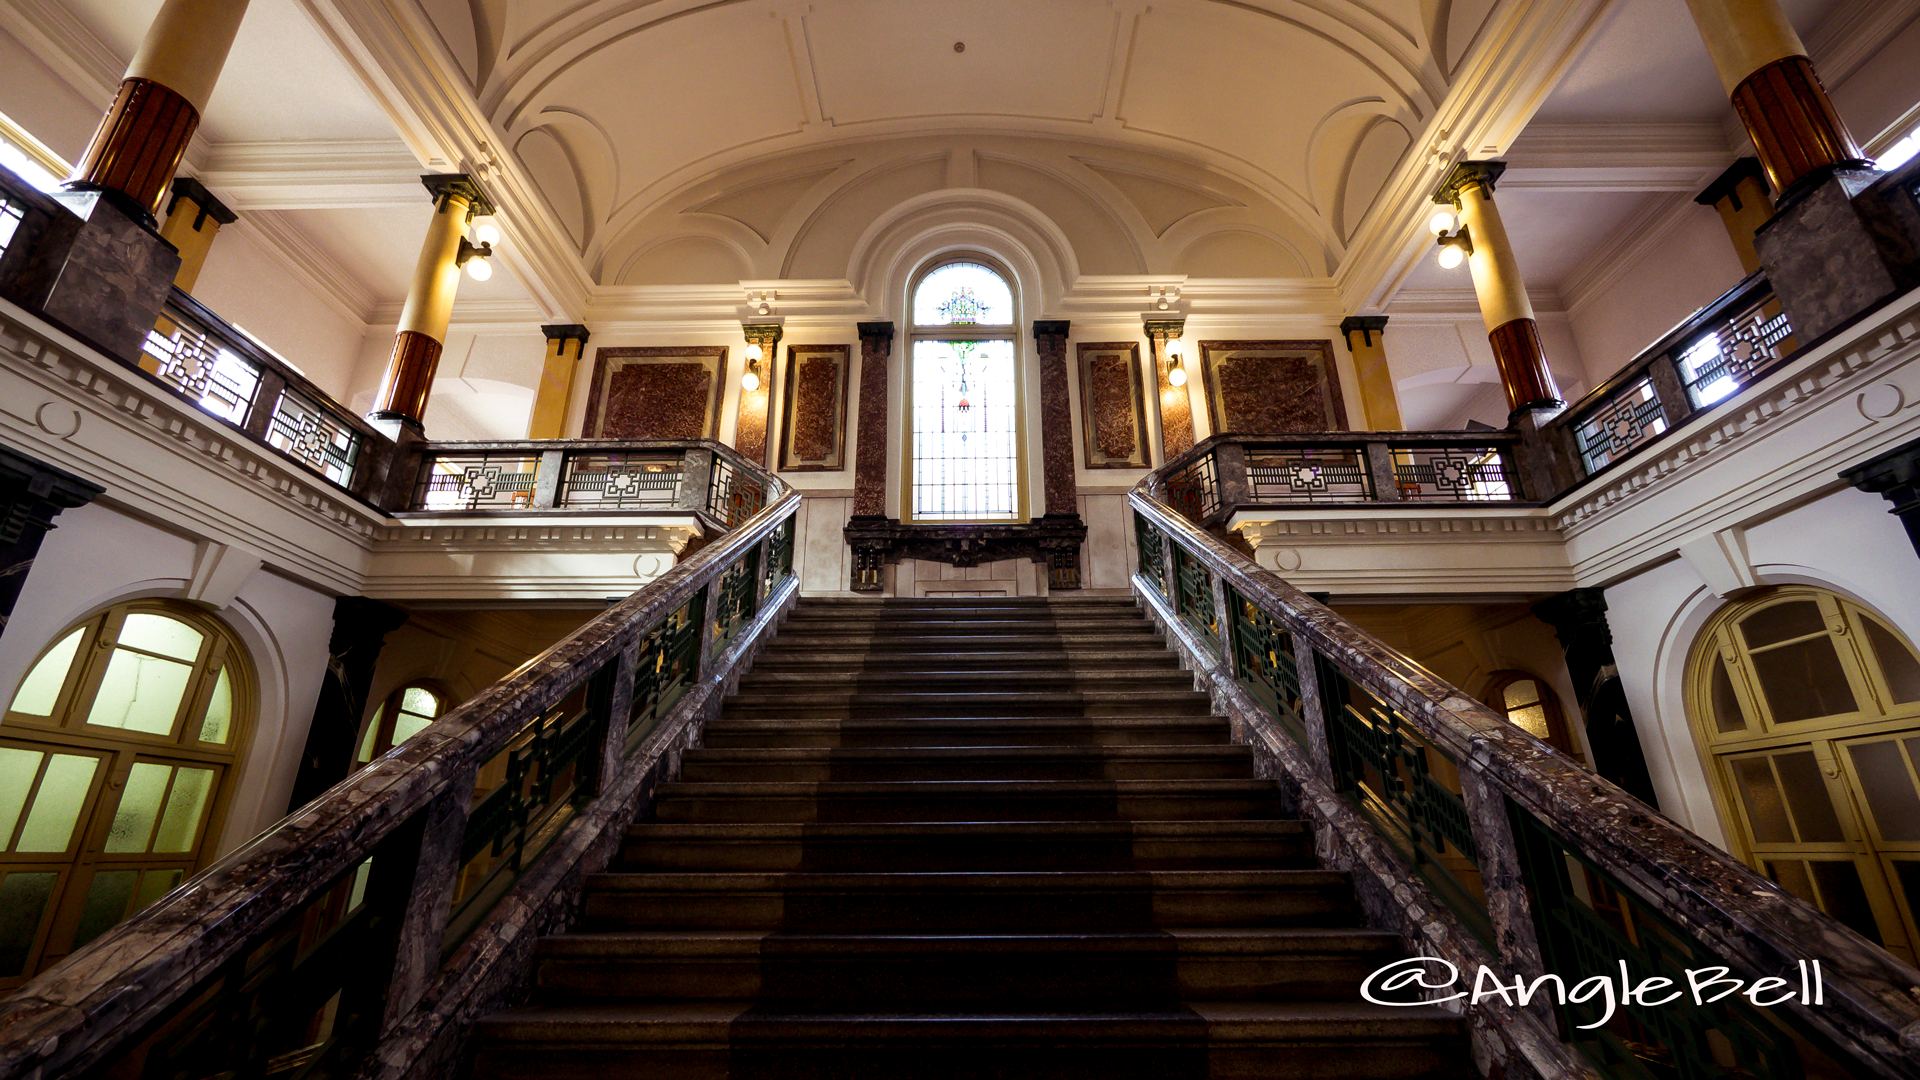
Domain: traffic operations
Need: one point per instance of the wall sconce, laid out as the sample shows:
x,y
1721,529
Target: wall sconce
x,y
474,256
751,380
1176,363
1454,240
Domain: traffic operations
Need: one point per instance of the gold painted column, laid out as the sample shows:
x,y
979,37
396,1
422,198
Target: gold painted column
x,y
750,423
145,132
1504,304
549,419
1176,405
423,321
1764,67
1366,341
1740,195
194,216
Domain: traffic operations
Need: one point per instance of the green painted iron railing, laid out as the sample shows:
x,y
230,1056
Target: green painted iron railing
x,y
1152,551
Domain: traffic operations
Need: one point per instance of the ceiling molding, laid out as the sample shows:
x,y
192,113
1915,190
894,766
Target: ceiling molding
x,y
1622,251
1850,37
481,315
290,246
312,175
1617,157
1452,304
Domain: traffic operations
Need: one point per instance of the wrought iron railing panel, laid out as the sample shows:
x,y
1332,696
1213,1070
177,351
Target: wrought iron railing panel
x,y
12,214
1264,661
309,433
616,481
1193,593
1152,552
1622,421
1194,489
779,557
1455,474
1309,475
484,481
1716,364
733,496
195,363
739,596
669,661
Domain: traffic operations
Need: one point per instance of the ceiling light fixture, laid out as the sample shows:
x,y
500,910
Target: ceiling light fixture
x,y
474,256
1454,249
751,380
1176,363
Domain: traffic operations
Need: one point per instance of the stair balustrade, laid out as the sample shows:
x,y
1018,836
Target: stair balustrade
x,y
366,930
675,476
1486,848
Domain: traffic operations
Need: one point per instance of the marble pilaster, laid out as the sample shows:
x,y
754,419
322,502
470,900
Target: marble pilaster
x,y
1579,620
1056,418
870,457
360,628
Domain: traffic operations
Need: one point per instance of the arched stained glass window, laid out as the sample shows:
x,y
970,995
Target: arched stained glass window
x,y
964,450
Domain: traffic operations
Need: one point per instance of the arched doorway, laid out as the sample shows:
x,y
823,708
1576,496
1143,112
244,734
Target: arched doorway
x,y
117,756
1808,709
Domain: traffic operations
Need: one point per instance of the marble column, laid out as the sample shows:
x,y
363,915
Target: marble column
x,y
360,629
750,423
1176,404
1366,341
1764,67
1056,419
402,401
32,494
1740,195
1579,620
162,96
870,426
1502,291
1895,476
194,216
566,347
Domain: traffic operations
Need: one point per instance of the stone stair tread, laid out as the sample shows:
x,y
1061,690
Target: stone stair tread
x,y
1183,940
999,880
887,829
938,753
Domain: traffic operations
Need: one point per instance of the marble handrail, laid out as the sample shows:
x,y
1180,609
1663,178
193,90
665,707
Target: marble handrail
x,y
1747,920
91,1006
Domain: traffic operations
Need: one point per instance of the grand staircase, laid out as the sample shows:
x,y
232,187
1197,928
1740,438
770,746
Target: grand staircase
x,y
966,838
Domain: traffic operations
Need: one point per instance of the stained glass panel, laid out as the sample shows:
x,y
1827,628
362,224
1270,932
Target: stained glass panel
x,y
965,460
963,294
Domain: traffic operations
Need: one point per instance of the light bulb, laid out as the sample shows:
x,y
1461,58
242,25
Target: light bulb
x,y
1177,377
1441,223
478,269
1451,256
749,382
754,353
1174,347
487,234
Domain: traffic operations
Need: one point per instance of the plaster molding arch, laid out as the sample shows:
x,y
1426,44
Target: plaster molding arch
x,y
1036,251
1200,226
712,227
1125,217
1375,51
857,176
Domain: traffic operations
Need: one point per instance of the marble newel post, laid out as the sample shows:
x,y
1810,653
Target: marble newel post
x,y
1056,419
32,494
1579,620
360,629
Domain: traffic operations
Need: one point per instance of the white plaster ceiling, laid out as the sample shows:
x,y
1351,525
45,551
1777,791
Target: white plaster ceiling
x,y
1552,233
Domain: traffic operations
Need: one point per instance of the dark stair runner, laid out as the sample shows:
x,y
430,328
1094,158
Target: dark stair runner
x,y
930,840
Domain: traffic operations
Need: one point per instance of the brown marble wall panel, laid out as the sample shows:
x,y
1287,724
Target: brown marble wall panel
x,y
1176,411
814,428
1272,387
1113,418
657,393
1056,417
870,460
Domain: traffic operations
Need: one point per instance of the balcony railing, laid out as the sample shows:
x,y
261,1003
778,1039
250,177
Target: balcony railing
x,y
691,476
1489,850
1230,474
371,924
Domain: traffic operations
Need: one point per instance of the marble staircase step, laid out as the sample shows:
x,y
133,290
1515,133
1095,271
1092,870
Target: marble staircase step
x,y
981,729
828,704
895,764
967,800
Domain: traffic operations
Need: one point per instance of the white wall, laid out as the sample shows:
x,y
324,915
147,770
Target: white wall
x,y
98,555
1691,266
255,290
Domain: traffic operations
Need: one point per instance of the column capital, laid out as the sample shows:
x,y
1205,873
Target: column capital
x,y
1727,184
765,335
567,332
1051,328
1482,174
1368,325
1161,329
459,186
881,330
57,488
205,205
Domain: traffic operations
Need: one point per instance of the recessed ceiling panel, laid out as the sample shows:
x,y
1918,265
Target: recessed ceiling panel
x,y
881,59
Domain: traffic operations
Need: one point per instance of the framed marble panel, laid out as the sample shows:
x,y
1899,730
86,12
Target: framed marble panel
x,y
657,393
813,422
1113,411
1272,387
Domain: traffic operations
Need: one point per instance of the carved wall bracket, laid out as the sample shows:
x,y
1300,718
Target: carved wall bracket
x,y
1053,541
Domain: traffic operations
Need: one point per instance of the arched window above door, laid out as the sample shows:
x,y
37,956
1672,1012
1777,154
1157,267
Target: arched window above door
x,y
117,753
406,713
964,454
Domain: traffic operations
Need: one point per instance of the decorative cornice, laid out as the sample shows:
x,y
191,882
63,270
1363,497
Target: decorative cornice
x,y
1482,174
319,174
459,186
